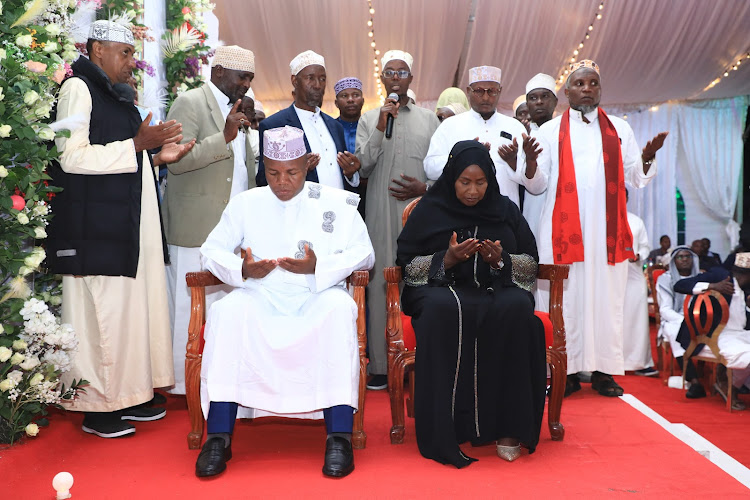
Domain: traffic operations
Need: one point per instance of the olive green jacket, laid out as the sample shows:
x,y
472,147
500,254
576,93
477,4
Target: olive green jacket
x,y
198,186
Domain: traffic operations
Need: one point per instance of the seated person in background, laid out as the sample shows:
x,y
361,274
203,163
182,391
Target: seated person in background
x,y
709,253
660,255
734,340
284,342
683,263
469,261
706,261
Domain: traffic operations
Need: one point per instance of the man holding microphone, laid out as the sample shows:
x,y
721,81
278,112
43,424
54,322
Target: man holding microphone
x,y
392,142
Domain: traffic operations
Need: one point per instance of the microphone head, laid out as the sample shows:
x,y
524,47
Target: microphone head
x,y
393,96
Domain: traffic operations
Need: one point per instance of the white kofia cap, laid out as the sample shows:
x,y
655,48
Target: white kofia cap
x,y
234,57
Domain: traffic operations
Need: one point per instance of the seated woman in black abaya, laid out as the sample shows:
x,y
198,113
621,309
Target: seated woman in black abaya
x,y
469,261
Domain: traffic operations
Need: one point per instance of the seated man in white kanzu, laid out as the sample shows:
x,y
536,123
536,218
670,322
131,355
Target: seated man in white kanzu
x,y
284,341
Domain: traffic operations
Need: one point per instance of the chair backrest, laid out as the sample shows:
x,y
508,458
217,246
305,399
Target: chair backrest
x,y
408,210
653,274
699,319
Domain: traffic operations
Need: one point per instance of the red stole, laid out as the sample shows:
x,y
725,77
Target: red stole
x,y
567,237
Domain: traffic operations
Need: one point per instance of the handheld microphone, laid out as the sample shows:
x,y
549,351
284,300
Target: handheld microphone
x,y
389,120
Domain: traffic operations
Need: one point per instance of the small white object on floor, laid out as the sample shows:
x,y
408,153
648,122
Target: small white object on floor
x,y
675,382
62,483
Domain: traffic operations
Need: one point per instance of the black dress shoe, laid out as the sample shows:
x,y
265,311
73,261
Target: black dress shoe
x,y
695,391
339,461
213,458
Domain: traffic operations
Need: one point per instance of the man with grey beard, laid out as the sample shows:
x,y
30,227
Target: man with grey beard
x,y
588,157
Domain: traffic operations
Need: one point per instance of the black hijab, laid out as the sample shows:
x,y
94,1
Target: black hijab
x,y
440,212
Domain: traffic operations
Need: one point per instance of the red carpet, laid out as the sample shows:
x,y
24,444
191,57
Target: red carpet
x,y
610,449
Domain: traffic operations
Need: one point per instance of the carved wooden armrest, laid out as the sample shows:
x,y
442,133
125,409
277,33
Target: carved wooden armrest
x,y
556,274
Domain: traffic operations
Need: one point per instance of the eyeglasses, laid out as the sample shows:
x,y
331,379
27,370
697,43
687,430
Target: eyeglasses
x,y
389,73
479,92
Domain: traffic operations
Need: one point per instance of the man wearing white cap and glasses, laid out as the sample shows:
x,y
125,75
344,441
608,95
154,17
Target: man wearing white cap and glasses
x,y
328,162
590,156
106,238
541,102
495,130
199,186
284,341
393,165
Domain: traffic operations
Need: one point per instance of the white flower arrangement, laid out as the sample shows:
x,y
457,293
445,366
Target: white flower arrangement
x,y
32,366
36,51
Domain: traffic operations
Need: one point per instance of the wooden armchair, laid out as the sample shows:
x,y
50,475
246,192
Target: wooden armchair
x,y
699,330
400,359
197,282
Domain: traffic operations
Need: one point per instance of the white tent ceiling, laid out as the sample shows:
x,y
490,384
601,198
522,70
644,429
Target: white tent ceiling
x,y
648,51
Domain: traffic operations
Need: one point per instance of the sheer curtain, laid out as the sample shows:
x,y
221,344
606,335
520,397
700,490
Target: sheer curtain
x,y
710,136
656,203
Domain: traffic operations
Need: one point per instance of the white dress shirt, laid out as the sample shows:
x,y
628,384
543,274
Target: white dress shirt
x,y
321,142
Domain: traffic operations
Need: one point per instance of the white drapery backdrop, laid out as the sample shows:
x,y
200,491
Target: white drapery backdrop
x,y
710,136
703,157
656,203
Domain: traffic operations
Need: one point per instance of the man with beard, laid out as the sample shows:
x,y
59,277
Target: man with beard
x,y
393,167
328,161
221,165
106,238
589,157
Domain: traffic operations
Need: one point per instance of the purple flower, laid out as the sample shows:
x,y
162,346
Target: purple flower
x,y
143,65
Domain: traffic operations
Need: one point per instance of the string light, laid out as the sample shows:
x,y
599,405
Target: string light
x,y
727,71
376,51
587,35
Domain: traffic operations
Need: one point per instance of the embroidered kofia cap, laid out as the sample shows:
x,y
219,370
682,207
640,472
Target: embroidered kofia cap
x,y
397,55
349,82
234,57
108,31
484,74
305,59
585,64
521,99
284,143
742,260
541,81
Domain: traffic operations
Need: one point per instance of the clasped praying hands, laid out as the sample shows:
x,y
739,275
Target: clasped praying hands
x,y
261,268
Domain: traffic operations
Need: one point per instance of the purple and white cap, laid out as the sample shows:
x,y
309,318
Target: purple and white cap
x,y
284,143
349,82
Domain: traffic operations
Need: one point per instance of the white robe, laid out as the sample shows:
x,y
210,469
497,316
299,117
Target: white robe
x,y
122,323
670,318
636,340
469,125
533,204
594,293
734,340
285,344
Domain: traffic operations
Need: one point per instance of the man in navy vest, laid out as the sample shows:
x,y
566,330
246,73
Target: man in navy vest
x,y
106,238
328,161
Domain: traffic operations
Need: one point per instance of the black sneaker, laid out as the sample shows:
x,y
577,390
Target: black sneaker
x,y
141,414
106,425
647,372
378,382
696,391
